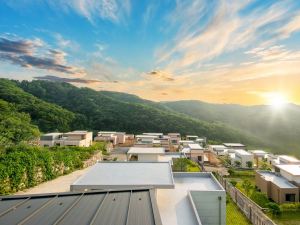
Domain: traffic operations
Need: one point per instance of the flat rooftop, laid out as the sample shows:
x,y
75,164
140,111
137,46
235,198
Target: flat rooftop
x,y
289,158
258,152
134,207
234,145
113,175
195,146
52,134
138,150
292,169
175,205
78,132
276,179
242,152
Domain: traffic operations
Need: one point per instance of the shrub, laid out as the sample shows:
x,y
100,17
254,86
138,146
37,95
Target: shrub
x,y
274,208
260,198
233,182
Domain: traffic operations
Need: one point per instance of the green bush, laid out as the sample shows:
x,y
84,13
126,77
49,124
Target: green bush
x,y
274,208
23,166
260,198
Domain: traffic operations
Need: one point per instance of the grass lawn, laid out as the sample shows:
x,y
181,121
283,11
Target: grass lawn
x,y
185,165
287,218
234,216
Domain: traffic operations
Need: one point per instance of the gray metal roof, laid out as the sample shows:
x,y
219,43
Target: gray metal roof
x,y
131,207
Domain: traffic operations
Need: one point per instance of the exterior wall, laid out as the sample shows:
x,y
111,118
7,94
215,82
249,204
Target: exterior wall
x,y
210,206
262,184
243,159
194,155
148,157
290,177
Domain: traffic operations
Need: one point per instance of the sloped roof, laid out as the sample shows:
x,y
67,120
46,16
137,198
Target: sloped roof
x,y
120,207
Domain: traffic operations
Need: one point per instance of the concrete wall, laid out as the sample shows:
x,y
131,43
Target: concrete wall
x,y
262,184
147,157
211,206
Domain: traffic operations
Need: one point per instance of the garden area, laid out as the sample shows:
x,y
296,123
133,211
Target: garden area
x,y
185,165
284,214
23,166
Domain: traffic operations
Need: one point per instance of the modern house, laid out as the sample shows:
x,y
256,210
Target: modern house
x,y
276,187
145,139
159,135
181,198
107,137
194,152
185,143
145,154
260,154
111,136
174,138
201,141
218,149
243,157
74,138
290,172
109,207
49,140
191,137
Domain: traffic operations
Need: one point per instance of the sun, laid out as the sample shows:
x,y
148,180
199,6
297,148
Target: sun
x,y
277,100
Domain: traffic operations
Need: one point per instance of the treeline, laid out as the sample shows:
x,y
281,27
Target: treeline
x,y
24,166
94,110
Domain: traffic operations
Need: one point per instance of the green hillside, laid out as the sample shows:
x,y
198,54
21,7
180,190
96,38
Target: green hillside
x,y
96,110
279,129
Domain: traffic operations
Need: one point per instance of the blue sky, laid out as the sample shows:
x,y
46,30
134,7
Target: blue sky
x,y
217,51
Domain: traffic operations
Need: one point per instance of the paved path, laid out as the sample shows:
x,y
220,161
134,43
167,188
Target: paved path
x,y
60,184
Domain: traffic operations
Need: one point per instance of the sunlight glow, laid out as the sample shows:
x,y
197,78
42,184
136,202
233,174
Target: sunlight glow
x,y
276,100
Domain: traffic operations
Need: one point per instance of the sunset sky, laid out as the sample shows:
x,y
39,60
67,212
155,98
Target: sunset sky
x,y
245,52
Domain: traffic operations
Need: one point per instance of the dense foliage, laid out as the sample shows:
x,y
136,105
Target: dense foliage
x,y
48,117
96,110
15,127
23,166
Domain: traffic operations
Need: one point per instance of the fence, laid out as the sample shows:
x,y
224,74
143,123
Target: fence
x,y
251,210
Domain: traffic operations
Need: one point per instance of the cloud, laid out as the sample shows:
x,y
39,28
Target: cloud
x,y
160,75
223,29
65,43
34,53
113,10
291,27
68,80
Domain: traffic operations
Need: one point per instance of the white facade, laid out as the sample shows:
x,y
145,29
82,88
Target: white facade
x,y
290,172
48,140
286,159
112,136
218,149
74,138
243,157
146,154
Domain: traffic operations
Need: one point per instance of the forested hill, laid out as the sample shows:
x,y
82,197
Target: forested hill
x,y
59,106
278,128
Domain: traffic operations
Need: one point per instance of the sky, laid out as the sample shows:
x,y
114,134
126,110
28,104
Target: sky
x,y
244,52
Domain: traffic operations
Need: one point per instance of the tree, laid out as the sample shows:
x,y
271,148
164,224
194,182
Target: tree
x,y
237,163
247,186
249,164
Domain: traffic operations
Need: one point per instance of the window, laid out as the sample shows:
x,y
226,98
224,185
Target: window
x,y
290,197
200,158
